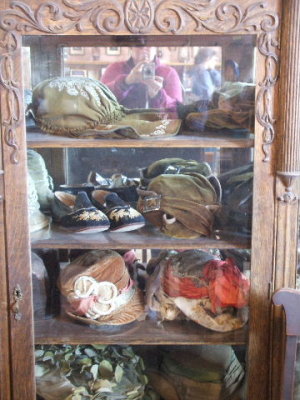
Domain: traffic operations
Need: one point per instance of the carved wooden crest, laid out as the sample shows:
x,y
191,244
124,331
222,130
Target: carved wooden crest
x,y
106,17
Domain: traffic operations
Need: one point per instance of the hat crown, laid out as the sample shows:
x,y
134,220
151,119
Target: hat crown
x,y
73,104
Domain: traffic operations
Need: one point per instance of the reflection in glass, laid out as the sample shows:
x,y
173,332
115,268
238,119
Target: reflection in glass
x,y
132,372
203,89
206,85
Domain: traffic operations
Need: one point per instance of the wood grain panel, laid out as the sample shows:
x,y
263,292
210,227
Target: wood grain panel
x,y
147,238
263,231
5,381
111,17
289,120
17,246
42,140
288,169
63,330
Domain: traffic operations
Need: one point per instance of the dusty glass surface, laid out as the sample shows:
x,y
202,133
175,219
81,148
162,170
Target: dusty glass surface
x,y
189,238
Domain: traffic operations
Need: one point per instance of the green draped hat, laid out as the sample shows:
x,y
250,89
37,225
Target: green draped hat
x,y
181,205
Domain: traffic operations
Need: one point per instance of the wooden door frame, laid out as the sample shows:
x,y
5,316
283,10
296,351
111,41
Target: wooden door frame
x,y
122,18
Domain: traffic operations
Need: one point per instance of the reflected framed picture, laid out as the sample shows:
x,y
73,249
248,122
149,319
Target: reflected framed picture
x,y
74,51
113,51
78,72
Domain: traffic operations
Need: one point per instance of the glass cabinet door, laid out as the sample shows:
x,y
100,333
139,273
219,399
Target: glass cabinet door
x,y
143,221
149,187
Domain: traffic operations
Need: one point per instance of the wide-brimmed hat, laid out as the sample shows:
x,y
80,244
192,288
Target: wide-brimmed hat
x,y
209,291
99,289
84,107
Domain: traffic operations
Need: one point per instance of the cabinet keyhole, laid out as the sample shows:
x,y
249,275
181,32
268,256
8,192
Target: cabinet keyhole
x,y
18,297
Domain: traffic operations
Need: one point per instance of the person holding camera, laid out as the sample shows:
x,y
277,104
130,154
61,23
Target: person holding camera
x,y
143,81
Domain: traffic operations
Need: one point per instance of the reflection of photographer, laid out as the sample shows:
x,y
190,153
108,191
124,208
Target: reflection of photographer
x,y
144,81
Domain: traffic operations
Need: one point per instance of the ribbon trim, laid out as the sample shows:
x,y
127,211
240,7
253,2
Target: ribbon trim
x,y
94,299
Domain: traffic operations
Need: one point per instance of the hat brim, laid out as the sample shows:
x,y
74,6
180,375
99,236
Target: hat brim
x,y
135,126
193,309
130,312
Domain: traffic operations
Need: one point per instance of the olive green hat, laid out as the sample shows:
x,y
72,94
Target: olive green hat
x,y
181,205
179,166
84,107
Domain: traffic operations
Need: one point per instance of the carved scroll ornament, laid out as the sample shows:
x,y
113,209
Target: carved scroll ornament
x,y
136,17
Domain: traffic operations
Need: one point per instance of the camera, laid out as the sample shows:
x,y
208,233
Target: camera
x,y
148,71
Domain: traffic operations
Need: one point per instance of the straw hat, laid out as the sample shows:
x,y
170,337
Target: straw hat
x,y
99,289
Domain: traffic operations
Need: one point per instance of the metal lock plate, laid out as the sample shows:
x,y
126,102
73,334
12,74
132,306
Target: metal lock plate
x,y
150,203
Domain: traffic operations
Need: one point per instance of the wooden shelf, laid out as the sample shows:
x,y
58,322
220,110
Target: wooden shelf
x,y
146,238
63,330
71,63
37,139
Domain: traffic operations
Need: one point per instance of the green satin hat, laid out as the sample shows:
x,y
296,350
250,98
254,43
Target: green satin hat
x,y
84,107
181,205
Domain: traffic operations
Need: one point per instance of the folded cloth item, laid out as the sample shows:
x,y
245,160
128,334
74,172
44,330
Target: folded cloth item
x,y
39,279
84,107
42,180
181,205
220,120
198,373
37,220
232,109
211,292
99,289
236,212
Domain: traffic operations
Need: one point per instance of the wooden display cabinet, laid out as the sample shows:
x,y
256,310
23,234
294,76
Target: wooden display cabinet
x,y
47,26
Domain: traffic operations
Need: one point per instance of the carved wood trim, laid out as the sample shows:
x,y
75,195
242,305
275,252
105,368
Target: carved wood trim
x,y
138,17
287,192
289,123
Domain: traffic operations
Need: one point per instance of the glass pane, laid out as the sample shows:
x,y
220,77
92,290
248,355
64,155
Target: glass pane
x,y
186,372
140,176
